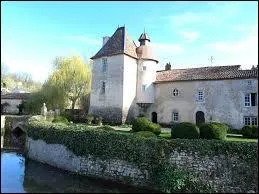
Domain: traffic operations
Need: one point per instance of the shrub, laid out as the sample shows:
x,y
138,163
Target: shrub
x,y
234,131
146,134
185,130
99,120
143,124
60,119
89,119
250,131
106,127
213,130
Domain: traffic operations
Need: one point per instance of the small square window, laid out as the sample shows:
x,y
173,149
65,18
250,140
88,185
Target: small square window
x,y
175,92
103,85
200,95
104,67
175,116
143,87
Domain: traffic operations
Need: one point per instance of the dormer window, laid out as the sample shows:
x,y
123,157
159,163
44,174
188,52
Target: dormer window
x,y
104,63
175,92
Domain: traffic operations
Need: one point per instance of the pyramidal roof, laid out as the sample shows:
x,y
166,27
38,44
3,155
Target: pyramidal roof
x,y
119,43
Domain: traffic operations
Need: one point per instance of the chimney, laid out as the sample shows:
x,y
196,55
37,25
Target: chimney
x,y
105,39
168,66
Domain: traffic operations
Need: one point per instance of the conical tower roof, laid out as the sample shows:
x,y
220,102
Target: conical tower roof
x,y
119,43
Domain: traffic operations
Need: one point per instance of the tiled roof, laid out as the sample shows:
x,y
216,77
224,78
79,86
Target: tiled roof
x,y
205,73
119,43
16,96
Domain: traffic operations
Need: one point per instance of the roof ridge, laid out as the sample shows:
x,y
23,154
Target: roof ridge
x,y
203,67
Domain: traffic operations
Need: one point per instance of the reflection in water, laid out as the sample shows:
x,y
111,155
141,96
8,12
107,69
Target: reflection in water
x,y
28,176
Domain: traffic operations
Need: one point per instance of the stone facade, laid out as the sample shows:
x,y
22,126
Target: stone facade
x,y
228,173
224,101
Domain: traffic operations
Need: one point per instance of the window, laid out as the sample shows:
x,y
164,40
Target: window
x,y
104,69
143,87
249,83
250,120
200,96
103,87
175,92
175,116
250,99
144,68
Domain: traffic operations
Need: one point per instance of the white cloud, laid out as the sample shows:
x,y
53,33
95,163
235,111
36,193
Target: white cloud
x,y
189,35
243,52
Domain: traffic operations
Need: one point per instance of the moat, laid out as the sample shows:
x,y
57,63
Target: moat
x,y
22,175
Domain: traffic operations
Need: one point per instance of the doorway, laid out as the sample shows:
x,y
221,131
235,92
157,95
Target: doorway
x,y
200,119
154,117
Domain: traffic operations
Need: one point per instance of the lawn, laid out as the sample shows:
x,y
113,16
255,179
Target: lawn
x,y
230,137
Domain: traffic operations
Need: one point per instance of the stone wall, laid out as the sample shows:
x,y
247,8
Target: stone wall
x,y
59,156
227,172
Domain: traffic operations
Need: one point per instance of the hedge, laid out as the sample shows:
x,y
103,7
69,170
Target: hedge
x,y
147,153
250,131
185,130
213,130
146,134
143,124
61,119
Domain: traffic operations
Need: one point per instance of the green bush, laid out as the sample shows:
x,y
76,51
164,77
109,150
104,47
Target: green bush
x,y
250,131
106,127
143,124
213,130
234,131
146,134
60,119
185,130
89,119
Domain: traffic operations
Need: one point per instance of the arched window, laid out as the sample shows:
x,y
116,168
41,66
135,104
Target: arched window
x,y
175,92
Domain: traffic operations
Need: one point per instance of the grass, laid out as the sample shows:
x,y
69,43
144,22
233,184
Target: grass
x,y
241,139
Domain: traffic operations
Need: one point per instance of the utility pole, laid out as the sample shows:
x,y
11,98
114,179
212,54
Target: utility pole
x,y
211,59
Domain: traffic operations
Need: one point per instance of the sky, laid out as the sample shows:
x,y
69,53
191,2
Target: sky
x,y
186,33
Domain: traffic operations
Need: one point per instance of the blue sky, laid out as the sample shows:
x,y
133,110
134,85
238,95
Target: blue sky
x,y
183,33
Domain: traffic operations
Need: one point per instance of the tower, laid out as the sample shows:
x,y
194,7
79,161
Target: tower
x,y
146,73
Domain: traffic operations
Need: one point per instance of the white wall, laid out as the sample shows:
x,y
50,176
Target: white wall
x,y
114,82
129,84
146,77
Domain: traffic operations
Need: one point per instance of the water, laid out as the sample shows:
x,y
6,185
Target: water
x,y
22,175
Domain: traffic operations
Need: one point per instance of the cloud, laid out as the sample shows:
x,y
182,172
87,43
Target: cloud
x,y
243,52
215,14
189,35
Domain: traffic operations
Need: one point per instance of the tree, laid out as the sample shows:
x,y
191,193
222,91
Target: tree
x,y
71,79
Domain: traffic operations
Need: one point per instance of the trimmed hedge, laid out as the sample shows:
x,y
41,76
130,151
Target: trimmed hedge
x,y
213,130
60,119
146,134
147,153
106,127
185,130
143,124
250,131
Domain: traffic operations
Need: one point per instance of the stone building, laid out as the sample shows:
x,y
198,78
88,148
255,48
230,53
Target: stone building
x,y
126,84
11,101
